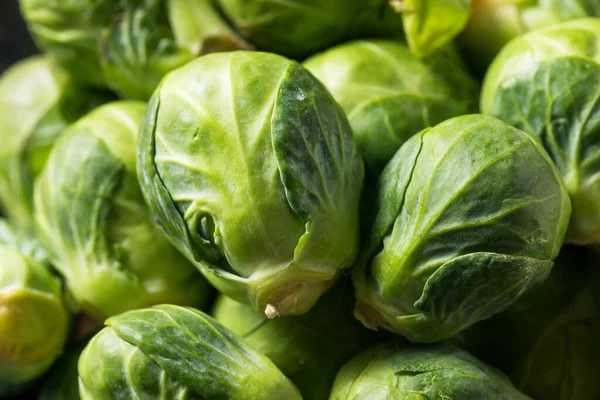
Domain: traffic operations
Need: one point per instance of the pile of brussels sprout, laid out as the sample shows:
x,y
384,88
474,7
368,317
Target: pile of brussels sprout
x,y
302,199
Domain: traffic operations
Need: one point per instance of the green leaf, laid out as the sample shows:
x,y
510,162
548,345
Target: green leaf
x,y
139,49
430,24
201,354
112,369
470,288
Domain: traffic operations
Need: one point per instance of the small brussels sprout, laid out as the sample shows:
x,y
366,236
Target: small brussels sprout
x,y
62,382
432,372
389,95
91,216
176,352
547,342
469,216
547,83
309,349
250,166
33,320
431,24
127,45
38,100
494,23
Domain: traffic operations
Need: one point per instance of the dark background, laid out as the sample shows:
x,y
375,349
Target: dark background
x,y
15,43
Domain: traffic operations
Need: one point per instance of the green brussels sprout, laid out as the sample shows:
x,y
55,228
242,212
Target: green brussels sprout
x,y
547,83
431,24
38,100
547,342
308,349
62,382
176,352
389,95
432,372
128,45
91,216
469,216
293,28
250,166
494,23
298,28
34,322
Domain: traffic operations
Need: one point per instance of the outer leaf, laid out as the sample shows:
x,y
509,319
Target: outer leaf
x,y
435,372
442,213
198,353
112,369
480,285
138,50
528,88
430,24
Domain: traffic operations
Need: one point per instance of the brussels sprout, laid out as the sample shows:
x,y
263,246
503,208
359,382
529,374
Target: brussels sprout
x,y
176,352
548,340
38,100
547,83
250,166
309,349
298,28
128,45
91,216
470,215
494,23
33,319
62,382
432,372
389,95
430,24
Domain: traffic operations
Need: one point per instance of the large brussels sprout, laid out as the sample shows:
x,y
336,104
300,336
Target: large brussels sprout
x,y
389,95
37,101
494,23
548,340
547,83
127,44
432,372
91,215
250,166
33,319
308,349
176,353
469,216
